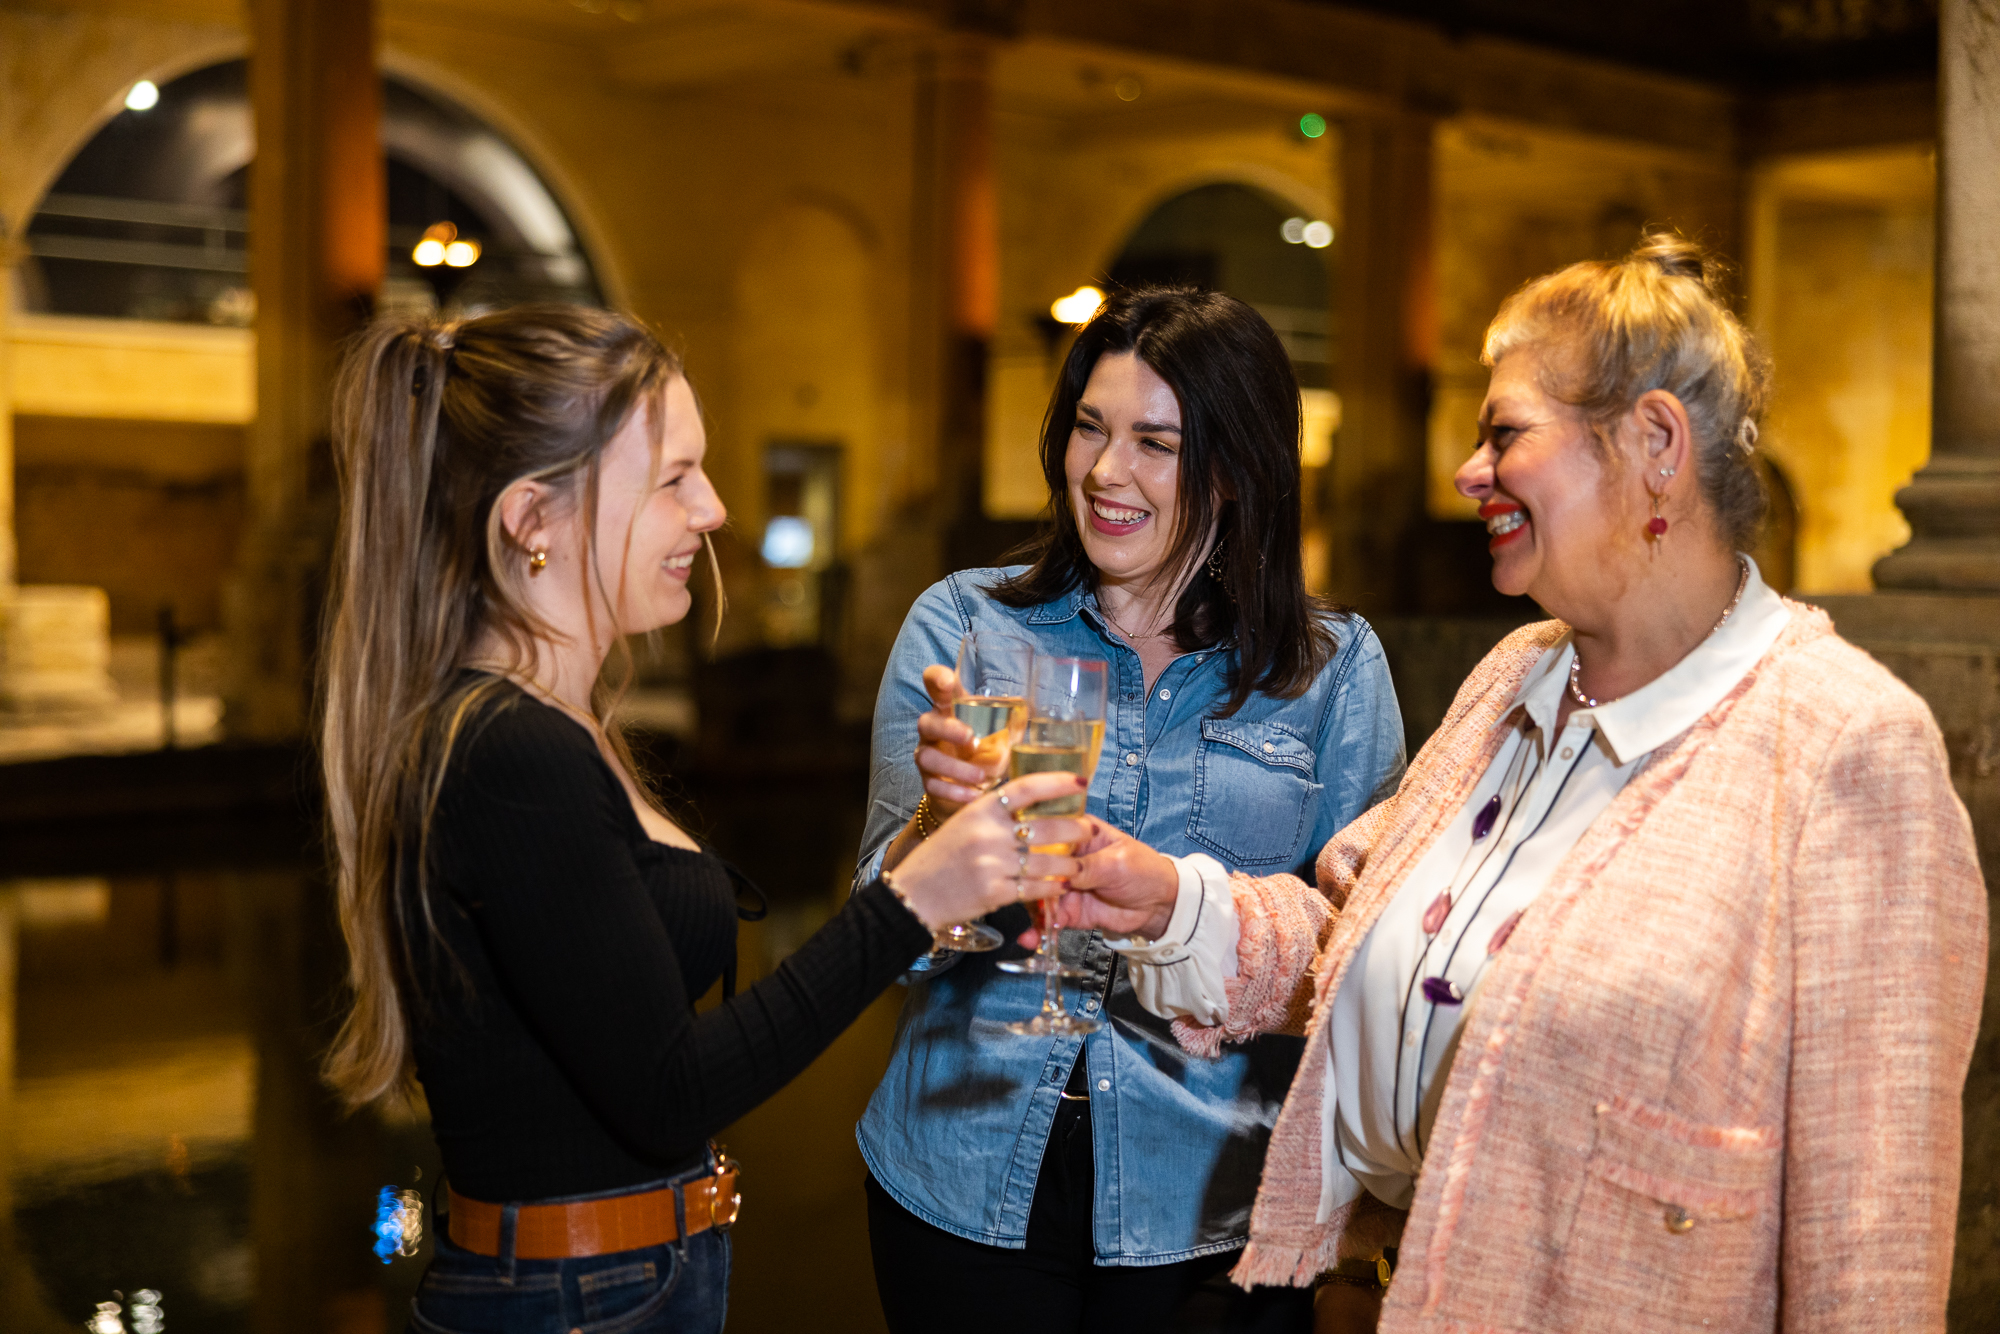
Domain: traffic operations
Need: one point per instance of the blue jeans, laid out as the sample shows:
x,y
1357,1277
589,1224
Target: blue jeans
x,y
682,1287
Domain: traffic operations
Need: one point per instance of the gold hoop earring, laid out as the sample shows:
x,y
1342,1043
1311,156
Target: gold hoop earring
x,y
538,560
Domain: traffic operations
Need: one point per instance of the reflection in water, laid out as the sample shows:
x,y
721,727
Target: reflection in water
x,y
163,1129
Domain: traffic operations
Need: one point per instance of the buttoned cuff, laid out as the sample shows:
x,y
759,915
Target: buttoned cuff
x,y
1181,975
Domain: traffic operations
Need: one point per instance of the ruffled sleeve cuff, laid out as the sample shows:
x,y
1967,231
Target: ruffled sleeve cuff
x,y
1183,974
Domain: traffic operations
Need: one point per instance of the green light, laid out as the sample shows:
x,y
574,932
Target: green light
x,y
1312,125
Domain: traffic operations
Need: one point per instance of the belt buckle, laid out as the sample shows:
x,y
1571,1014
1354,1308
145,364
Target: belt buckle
x,y
722,1210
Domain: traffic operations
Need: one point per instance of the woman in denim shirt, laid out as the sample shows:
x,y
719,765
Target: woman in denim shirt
x,y
1018,1181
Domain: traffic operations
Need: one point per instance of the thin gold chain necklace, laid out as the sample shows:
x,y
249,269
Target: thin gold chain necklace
x,y
1116,625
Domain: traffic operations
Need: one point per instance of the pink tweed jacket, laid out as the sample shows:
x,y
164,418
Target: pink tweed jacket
x,y
1747,1000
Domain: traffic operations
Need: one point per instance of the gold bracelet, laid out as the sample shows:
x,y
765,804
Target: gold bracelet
x,y
927,821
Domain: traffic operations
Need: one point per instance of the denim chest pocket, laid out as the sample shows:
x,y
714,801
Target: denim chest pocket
x,y
1254,793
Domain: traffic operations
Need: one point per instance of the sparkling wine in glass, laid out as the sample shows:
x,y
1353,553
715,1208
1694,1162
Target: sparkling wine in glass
x,y
1065,733
993,674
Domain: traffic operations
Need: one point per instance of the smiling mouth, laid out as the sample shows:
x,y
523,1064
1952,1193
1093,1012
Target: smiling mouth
x,y
680,562
1502,524
1114,514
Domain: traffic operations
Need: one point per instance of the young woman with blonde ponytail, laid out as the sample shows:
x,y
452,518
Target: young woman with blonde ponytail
x,y
528,928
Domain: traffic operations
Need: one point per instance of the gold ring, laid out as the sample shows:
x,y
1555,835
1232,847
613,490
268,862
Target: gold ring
x,y
1024,833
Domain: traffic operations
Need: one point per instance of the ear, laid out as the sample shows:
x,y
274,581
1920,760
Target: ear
x,y
1665,436
524,519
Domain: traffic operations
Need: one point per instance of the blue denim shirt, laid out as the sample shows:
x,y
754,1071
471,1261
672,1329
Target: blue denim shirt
x,y
955,1131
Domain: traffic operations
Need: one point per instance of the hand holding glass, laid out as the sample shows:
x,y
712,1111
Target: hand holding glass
x,y
1065,731
993,674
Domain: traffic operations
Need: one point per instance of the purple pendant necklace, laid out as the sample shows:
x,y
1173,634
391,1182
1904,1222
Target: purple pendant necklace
x,y
1448,993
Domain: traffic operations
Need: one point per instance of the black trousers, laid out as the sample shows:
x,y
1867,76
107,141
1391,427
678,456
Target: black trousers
x,y
930,1279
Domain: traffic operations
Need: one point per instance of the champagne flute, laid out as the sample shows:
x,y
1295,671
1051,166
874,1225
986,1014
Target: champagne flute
x,y
1065,732
993,674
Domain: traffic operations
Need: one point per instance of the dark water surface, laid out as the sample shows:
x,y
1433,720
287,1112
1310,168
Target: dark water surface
x,y
170,970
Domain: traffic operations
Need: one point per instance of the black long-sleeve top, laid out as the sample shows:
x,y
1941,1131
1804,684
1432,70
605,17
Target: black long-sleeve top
x,y
566,1056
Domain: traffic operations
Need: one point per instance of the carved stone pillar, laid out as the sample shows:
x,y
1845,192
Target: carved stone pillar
x,y
1953,505
1936,620
1386,337
318,225
968,248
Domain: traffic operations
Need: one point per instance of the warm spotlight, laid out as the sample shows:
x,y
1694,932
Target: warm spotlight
x,y
1318,235
144,96
1078,306
461,254
1293,230
435,248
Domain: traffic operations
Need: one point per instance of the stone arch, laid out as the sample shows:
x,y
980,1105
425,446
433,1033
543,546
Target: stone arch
x,y
81,98
575,198
443,161
1280,185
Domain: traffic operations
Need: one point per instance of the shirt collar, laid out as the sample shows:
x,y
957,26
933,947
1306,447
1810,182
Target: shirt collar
x,y
1678,698
1064,608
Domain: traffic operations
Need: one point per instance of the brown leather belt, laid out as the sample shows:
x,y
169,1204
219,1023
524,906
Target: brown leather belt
x,y
597,1227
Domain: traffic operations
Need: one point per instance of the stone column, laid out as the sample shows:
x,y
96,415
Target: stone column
x,y
318,222
1385,331
9,568
1953,505
968,252
1936,620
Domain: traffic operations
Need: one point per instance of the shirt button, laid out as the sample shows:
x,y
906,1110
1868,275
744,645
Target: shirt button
x,y
1091,1005
1131,758
1104,1086
1677,1219
1566,753
1270,749
1166,694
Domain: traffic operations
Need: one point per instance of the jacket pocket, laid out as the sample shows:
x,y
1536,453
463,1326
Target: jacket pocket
x,y
1677,1221
1254,794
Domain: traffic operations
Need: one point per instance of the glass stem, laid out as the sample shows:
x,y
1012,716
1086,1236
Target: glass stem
x,y
1050,949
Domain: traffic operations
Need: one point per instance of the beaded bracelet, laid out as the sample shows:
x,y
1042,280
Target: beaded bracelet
x,y
927,820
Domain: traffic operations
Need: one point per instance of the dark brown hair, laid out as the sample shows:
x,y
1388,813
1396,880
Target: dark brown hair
x,y
1239,473
432,421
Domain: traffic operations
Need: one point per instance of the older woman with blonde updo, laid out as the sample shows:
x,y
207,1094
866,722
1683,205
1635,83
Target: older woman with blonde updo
x,y
1647,1001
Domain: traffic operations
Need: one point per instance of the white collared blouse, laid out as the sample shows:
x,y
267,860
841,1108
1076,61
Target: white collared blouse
x,y
1397,1016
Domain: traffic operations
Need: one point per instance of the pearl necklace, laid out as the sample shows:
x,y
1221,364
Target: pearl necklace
x,y
1576,663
